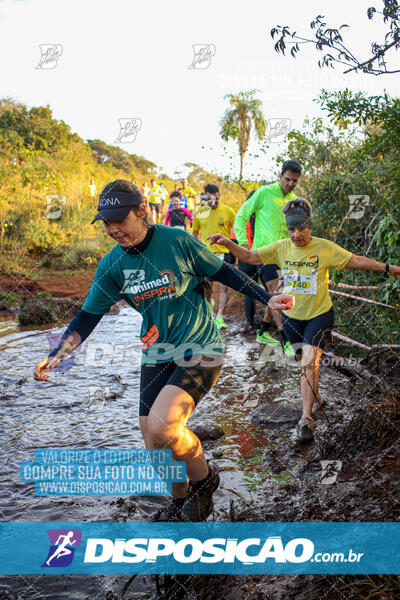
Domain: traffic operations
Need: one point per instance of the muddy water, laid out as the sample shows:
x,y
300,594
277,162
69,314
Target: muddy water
x,y
93,404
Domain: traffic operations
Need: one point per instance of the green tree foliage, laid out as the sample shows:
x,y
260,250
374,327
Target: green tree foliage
x,y
380,117
120,159
330,41
357,156
237,122
35,128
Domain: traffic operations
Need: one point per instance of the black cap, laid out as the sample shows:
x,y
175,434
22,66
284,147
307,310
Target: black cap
x,y
115,206
299,219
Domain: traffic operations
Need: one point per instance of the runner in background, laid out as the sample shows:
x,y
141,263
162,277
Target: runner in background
x,y
182,199
92,189
159,271
145,192
164,194
305,263
155,201
190,195
267,203
209,218
251,271
176,216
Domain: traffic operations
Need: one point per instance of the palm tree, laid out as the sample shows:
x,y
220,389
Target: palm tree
x,y
236,123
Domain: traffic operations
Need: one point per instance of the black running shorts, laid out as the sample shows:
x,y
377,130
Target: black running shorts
x,y
196,380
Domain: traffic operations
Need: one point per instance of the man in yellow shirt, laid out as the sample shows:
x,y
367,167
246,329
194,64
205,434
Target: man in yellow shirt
x,y
189,193
210,218
155,204
305,262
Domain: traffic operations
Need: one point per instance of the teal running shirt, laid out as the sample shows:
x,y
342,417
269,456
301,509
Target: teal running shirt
x,y
160,284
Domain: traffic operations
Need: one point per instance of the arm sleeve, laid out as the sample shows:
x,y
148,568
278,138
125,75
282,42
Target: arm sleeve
x,y
339,257
167,218
268,254
83,323
239,281
251,205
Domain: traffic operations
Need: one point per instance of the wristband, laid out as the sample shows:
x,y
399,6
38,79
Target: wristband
x,y
387,267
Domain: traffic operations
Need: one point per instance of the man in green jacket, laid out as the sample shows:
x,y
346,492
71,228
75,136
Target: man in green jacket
x,y
267,203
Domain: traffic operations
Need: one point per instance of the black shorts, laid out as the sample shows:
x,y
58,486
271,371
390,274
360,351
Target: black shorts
x,y
196,380
267,272
158,207
313,332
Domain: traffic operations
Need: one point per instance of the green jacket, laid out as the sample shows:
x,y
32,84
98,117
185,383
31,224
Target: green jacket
x,y
267,203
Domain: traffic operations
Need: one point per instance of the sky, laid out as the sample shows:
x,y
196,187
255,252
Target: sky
x,y
124,59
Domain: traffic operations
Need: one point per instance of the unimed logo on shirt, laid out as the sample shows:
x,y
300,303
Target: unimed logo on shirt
x,y
136,284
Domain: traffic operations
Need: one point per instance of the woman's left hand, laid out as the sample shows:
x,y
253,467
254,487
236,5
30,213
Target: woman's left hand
x,y
281,302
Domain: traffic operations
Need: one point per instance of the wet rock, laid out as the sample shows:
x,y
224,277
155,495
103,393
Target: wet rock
x,y
271,415
207,431
43,310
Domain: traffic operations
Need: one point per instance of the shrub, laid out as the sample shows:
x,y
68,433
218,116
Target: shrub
x,y
42,236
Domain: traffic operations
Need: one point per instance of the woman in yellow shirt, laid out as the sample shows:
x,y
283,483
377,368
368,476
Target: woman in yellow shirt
x,y
304,261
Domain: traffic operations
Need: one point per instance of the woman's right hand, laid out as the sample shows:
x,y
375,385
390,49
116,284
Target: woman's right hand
x,y
218,238
47,364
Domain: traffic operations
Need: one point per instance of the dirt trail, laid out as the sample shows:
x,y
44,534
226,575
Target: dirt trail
x,y
70,285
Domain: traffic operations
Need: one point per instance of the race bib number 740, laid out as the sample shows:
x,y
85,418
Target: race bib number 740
x,y
299,284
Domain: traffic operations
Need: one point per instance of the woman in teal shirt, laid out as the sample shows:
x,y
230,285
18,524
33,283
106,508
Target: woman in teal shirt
x,y
160,271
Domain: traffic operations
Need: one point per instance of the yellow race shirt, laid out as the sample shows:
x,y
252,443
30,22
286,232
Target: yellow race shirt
x,y
155,194
190,194
217,220
305,272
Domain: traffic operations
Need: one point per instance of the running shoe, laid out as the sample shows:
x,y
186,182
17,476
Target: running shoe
x,y
171,511
266,338
288,350
305,429
220,323
199,503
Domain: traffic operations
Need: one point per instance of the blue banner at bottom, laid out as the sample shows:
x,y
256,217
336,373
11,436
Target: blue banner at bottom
x,y
202,548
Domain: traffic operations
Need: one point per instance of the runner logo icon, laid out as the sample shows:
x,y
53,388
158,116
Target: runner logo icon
x,y
203,53
133,278
330,471
62,547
